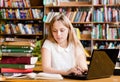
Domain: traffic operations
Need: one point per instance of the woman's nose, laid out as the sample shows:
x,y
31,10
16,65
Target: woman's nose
x,y
58,33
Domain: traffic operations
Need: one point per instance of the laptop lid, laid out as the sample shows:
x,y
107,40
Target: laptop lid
x,y
102,63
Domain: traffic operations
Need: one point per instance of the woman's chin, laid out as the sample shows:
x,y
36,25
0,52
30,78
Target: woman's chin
x,y
58,41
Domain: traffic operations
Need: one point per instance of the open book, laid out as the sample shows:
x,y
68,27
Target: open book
x,y
40,75
43,75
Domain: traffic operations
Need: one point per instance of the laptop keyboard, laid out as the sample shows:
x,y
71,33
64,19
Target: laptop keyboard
x,y
73,76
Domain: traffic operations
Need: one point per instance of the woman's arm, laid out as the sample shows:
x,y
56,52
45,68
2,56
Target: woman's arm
x,y
46,63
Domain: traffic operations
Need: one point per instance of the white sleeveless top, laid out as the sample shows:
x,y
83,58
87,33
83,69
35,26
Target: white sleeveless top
x,y
62,58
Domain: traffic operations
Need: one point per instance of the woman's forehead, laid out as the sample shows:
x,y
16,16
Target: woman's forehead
x,y
58,24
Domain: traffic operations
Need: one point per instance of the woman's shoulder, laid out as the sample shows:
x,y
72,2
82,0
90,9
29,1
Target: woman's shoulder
x,y
47,43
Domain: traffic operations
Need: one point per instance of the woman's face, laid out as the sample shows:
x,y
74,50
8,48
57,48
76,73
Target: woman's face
x,y
60,32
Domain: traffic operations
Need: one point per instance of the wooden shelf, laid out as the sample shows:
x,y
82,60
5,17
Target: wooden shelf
x,y
106,23
71,4
85,39
82,22
22,19
75,4
108,5
106,39
21,34
38,7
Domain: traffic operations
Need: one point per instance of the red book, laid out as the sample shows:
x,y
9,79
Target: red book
x,y
18,60
13,70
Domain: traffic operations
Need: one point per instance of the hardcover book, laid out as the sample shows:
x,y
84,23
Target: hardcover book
x,y
16,54
16,47
14,70
18,43
20,66
16,51
18,60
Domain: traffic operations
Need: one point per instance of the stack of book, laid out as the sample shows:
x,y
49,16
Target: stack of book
x,y
17,57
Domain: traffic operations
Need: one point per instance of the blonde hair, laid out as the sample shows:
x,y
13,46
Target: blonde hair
x,y
67,23
72,38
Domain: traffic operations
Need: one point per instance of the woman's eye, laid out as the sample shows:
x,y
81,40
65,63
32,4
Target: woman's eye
x,y
54,30
62,30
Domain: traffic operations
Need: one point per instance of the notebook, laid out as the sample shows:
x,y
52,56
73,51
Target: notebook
x,y
102,65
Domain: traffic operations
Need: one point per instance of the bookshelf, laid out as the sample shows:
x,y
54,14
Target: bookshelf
x,y
108,26
98,21
21,19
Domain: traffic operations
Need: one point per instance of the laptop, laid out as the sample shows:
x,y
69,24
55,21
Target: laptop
x,y
101,65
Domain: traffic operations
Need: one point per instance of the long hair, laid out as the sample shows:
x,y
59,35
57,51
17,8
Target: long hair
x,y
72,38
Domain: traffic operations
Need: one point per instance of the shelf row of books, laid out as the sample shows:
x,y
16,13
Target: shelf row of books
x,y
17,57
105,31
21,14
85,14
74,16
20,28
106,45
106,14
15,3
105,2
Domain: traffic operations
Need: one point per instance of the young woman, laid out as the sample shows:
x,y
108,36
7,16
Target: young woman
x,y
62,52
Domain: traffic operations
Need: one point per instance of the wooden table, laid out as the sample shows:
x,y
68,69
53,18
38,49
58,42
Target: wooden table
x,y
110,79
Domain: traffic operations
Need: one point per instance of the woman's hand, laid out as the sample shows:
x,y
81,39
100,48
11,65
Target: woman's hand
x,y
75,70
82,70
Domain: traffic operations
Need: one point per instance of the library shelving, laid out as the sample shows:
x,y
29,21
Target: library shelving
x,y
98,21
21,18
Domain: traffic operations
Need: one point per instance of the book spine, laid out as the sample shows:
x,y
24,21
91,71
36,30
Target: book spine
x,y
88,16
118,33
77,16
17,60
83,16
18,43
13,28
14,70
16,51
15,47
21,27
20,66
17,54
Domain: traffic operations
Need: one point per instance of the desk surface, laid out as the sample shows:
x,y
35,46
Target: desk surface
x,y
110,79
